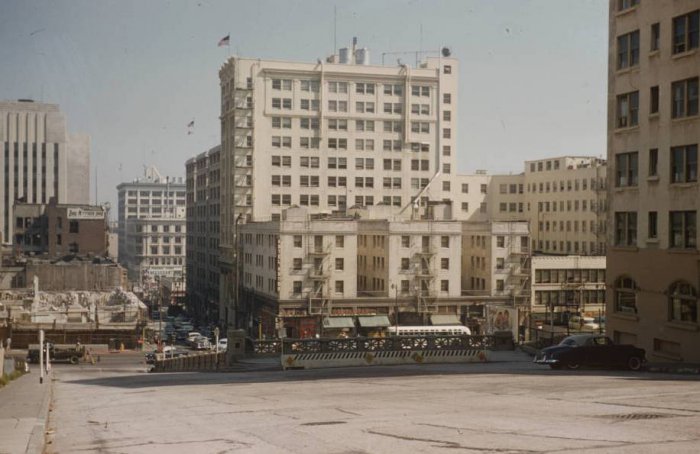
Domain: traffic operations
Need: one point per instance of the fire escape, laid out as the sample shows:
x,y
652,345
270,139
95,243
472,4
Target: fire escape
x,y
425,278
319,273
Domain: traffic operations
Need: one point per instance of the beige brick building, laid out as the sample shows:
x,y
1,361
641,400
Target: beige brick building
x,y
653,136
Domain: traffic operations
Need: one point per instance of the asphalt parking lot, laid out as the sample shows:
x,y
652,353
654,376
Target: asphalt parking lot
x,y
506,406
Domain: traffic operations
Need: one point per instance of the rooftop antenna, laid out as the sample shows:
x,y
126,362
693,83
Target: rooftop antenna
x,y
420,47
335,29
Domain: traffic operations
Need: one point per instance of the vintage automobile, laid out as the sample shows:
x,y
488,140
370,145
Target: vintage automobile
x,y
591,350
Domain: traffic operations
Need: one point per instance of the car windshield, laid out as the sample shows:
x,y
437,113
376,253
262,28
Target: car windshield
x,y
569,341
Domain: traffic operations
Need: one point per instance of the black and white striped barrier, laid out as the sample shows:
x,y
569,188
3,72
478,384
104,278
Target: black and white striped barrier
x,y
381,358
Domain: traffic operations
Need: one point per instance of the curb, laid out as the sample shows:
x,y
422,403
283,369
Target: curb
x,y
673,370
37,439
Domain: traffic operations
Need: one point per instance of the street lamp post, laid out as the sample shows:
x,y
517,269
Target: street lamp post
x,y
396,307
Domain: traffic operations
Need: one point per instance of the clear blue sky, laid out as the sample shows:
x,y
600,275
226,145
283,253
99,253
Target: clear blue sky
x,y
132,74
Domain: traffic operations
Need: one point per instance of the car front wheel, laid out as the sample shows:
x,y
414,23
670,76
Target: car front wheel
x,y
634,363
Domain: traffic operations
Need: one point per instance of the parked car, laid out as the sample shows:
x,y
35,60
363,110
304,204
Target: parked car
x,y
200,343
223,345
591,350
67,353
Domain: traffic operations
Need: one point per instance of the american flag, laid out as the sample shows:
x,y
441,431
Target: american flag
x,y
224,41
190,127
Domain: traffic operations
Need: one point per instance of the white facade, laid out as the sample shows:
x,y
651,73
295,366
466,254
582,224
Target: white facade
x,y
152,227
568,283
40,159
328,136
496,259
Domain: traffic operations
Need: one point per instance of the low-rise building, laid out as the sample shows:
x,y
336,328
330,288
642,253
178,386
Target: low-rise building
x,y
301,273
567,285
55,230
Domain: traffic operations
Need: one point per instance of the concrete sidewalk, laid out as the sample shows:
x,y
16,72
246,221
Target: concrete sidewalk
x,y
24,409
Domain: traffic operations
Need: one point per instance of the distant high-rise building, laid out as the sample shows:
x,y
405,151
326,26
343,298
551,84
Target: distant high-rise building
x,y
39,159
653,136
203,182
152,227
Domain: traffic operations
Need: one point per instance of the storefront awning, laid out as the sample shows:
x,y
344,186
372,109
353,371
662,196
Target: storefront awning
x,y
374,321
338,322
445,320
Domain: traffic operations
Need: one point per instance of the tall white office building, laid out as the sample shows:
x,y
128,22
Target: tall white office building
x,y
40,159
330,135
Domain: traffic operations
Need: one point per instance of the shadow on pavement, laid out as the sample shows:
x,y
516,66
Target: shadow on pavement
x,y
241,378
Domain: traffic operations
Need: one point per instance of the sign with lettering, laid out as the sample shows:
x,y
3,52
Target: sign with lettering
x,y
86,213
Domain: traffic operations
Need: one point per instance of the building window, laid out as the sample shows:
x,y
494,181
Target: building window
x,y
405,263
500,241
654,100
684,164
683,302
445,241
444,285
297,240
447,69
73,227
500,285
628,50
682,229
655,36
626,169
445,263
405,241
625,294
296,264
653,232
483,188
626,4
628,110
626,228
685,98
686,31
339,287
339,241
653,162
296,287
445,185
500,263
339,263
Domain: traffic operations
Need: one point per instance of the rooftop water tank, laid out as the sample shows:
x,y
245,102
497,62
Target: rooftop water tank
x,y
344,55
362,56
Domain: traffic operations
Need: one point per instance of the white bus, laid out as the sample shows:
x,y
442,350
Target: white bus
x,y
450,330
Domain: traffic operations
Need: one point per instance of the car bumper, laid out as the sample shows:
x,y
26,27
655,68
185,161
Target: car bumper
x,y
545,360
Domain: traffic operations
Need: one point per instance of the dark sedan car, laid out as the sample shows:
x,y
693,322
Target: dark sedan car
x,y
591,350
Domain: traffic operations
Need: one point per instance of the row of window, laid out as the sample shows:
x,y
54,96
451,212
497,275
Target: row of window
x,y
683,166
363,88
334,105
561,186
572,246
683,96
556,276
682,299
682,228
314,162
685,35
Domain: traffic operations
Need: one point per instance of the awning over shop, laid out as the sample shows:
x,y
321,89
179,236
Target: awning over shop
x,y
374,321
445,320
338,322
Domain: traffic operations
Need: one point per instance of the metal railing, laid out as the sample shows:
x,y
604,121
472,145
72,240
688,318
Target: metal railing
x,y
372,344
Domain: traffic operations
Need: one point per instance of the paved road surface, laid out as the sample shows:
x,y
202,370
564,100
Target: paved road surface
x,y
500,407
